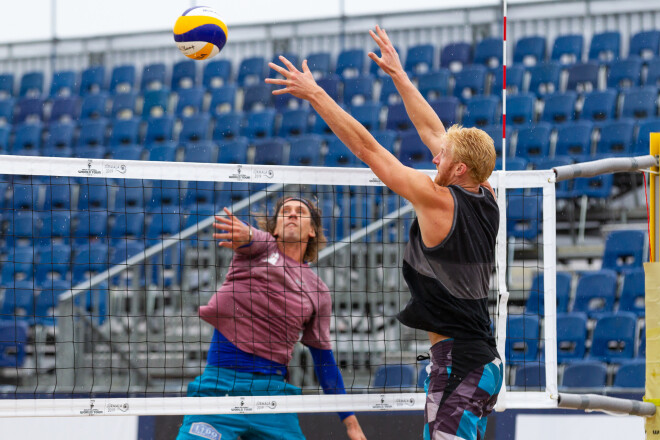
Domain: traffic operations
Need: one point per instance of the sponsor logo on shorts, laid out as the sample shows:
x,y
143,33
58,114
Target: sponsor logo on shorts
x,y
205,430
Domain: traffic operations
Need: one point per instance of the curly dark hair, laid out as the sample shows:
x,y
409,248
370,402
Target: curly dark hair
x,y
315,244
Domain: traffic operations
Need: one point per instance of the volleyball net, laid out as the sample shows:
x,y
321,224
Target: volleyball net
x,y
105,264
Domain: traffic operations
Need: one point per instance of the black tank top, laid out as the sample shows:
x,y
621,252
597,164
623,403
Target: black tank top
x,y
449,283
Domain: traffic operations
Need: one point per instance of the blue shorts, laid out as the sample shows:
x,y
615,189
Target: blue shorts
x,y
217,381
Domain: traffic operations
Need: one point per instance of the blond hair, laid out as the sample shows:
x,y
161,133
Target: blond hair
x,y
314,244
474,148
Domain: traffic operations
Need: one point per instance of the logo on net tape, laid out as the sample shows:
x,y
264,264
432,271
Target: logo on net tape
x,y
116,407
263,404
238,175
382,402
115,168
242,406
91,170
268,174
92,410
404,402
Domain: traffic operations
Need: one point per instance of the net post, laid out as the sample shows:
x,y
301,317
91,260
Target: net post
x,y
652,300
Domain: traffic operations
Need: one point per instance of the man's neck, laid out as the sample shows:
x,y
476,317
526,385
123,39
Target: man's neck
x,y
295,251
467,185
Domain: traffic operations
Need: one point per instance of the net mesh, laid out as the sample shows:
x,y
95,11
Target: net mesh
x,y
106,263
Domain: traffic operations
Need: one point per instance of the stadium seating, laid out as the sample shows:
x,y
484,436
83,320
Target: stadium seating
x,y
595,292
480,111
520,109
469,82
455,56
605,47
419,59
522,343
122,79
217,73
184,75
625,73
624,250
583,77
535,302
633,292
645,44
350,63
616,139
571,336
544,78
529,51
530,376
585,374
631,374
614,337
394,376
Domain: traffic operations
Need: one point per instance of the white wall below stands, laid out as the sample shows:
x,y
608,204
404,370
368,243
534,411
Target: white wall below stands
x,y
70,428
578,427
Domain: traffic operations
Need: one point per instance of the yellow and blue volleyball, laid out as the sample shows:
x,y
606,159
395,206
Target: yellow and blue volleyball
x,y
199,33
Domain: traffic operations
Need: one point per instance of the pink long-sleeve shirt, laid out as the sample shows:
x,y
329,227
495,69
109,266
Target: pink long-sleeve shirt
x,y
268,300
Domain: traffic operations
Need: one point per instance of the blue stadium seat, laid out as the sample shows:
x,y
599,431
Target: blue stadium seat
x,y
386,138
227,126
535,305
520,109
595,292
339,155
412,150
640,102
13,342
524,216
530,376
585,374
419,59
28,109
514,80
480,111
269,152
88,260
59,194
614,337
368,115
455,56
22,222
643,135
350,63
489,52
631,374
395,376
162,152
129,195
559,107
53,263
55,228
27,137
567,49
233,151
165,221
305,150
129,224
599,187
156,103
63,84
153,77
32,84
605,47
159,130
6,111
201,151
124,132
199,194
633,292
124,105
529,51
446,108
164,193
189,101
92,80
17,265
260,124
59,140
217,73
94,106
294,122
292,57
544,78
653,73
93,195
645,44
184,75
320,64
397,118
122,79
64,109
583,77
616,139
194,128
512,164
523,338
330,83
574,139
223,99
571,336
358,89
257,97
624,250
47,300
433,84
495,132
92,133
625,73
251,71
4,141
469,82
127,152
6,85
599,106
91,226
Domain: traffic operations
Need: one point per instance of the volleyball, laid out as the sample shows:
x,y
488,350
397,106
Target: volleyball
x,y
199,33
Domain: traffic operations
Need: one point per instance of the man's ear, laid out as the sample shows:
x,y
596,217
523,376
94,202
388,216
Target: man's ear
x,y
461,169
312,232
